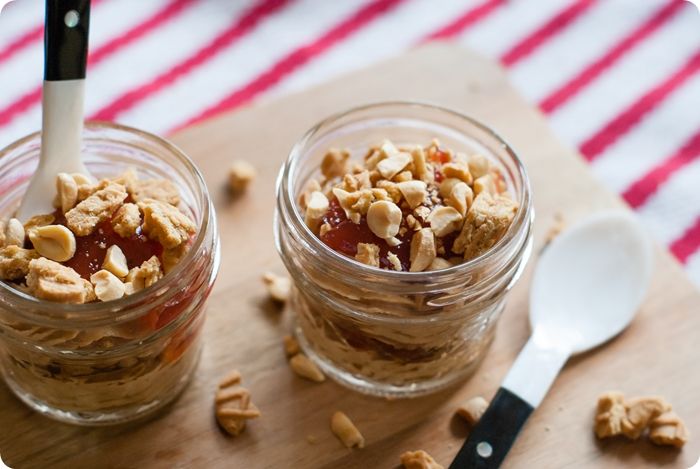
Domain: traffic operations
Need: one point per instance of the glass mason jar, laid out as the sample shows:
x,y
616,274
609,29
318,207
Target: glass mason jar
x,y
387,333
103,363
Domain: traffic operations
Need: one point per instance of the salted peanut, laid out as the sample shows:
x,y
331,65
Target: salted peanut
x,y
108,287
610,415
291,346
393,165
115,261
346,431
420,167
172,257
84,217
384,219
439,263
414,192
14,233
419,460
350,183
363,180
444,220
368,254
460,197
388,149
668,430
325,228
422,213
640,412
231,379
485,184
365,197
394,261
126,220
278,287
156,189
55,242
145,275
316,208
422,250
392,189
403,176
66,192
479,165
335,163
14,262
49,280
232,405
347,200
311,186
166,223
487,221
457,171
304,367
473,409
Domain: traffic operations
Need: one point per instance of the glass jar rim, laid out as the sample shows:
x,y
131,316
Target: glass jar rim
x,y
98,312
522,218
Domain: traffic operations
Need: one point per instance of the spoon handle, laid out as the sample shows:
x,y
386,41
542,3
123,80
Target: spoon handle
x,y
66,39
491,439
522,390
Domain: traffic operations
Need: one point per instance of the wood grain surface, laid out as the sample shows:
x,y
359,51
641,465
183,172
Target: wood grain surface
x,y
658,354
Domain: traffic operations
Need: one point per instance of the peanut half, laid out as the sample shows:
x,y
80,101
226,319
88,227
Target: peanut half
x,y
55,242
384,219
14,233
346,431
115,262
108,287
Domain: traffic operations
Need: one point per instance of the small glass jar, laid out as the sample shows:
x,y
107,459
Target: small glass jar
x,y
104,363
387,333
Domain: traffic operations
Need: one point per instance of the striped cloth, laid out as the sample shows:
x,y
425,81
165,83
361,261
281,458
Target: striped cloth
x,y
617,78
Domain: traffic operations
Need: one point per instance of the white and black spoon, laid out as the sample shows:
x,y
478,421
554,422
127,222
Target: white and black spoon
x,y
65,59
586,289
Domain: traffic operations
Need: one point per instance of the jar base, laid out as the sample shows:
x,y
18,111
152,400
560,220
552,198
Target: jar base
x,y
385,390
102,418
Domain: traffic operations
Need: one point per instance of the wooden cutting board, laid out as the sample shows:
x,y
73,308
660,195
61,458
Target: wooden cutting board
x,y
658,354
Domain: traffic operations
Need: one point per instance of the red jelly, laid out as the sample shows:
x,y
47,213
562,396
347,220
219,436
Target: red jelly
x,y
90,250
344,236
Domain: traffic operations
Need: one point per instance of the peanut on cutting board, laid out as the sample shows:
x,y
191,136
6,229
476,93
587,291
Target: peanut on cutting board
x,y
346,431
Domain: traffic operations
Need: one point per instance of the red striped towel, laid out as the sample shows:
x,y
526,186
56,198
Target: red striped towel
x,y
619,79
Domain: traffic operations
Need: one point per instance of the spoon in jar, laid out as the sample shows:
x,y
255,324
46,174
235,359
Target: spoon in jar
x,y
65,58
586,289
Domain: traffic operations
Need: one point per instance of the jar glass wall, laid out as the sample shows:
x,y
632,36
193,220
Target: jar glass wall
x,y
393,333
103,363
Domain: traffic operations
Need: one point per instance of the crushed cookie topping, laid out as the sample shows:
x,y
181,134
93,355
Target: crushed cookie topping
x,y
633,417
105,240
408,208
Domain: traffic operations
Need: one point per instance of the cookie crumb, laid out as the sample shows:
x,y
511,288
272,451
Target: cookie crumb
x,y
419,460
240,175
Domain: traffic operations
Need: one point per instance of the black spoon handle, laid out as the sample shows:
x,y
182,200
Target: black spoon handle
x,y
491,438
66,39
